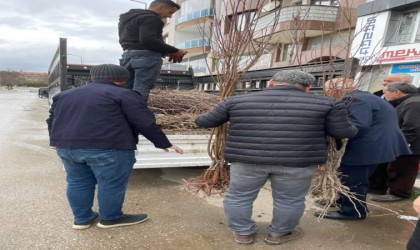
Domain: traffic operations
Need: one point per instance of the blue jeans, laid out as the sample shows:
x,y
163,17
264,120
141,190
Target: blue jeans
x,y
109,169
357,179
289,187
144,67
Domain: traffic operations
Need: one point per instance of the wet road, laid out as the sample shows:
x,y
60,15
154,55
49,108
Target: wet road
x,y
35,215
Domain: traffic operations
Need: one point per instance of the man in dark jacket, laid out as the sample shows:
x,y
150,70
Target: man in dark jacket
x,y
95,131
406,78
378,140
402,173
278,134
377,181
140,35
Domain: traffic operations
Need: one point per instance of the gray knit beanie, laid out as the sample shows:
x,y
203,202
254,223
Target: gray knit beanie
x,y
294,77
110,72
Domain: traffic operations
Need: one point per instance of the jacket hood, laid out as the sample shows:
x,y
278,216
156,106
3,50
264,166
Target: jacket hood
x,y
134,13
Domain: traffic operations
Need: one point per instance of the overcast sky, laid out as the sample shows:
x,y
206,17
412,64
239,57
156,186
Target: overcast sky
x,y
30,31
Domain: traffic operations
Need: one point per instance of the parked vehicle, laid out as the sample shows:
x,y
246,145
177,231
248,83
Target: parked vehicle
x,y
63,76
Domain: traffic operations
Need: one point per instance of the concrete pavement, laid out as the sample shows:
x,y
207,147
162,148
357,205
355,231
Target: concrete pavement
x,y
35,213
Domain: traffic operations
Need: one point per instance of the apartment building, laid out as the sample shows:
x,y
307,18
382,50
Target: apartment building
x,y
387,41
190,29
312,34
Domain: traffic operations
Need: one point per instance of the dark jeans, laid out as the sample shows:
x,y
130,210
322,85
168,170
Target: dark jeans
x,y
414,242
399,176
109,169
144,67
357,179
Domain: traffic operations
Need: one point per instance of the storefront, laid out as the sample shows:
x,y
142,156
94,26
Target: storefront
x,y
387,42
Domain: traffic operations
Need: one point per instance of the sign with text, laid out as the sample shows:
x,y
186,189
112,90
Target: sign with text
x,y
369,34
400,53
407,68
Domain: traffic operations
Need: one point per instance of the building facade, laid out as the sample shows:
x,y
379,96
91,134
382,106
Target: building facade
x,y
387,41
312,34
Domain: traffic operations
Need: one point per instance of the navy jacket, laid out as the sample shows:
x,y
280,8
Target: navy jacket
x,y
379,138
102,115
281,125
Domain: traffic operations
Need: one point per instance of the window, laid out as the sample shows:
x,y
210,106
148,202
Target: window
x,y
198,63
284,52
241,20
342,38
191,6
325,2
403,28
409,24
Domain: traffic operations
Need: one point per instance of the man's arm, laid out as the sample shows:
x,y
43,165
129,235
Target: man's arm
x,y
338,124
51,111
215,117
142,119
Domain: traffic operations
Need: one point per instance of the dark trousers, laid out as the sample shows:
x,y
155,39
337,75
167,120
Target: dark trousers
x,y
402,174
357,179
399,176
377,181
414,242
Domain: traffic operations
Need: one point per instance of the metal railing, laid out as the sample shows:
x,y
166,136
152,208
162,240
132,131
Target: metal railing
x,y
194,15
193,43
298,12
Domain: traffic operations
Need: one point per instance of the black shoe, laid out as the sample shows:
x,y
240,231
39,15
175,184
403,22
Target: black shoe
x,y
334,215
387,198
126,220
377,191
85,224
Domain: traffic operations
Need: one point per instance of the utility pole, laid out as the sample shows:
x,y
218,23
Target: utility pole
x,y
145,4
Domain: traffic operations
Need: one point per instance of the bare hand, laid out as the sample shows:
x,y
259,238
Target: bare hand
x,y
176,148
180,52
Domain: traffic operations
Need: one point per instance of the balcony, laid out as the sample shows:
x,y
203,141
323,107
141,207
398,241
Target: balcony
x,y
195,15
314,19
189,21
195,46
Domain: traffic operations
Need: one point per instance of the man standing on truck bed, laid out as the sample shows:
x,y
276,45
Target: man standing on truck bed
x,y
95,131
140,33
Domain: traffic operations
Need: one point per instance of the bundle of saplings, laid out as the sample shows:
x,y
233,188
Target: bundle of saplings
x,y
176,110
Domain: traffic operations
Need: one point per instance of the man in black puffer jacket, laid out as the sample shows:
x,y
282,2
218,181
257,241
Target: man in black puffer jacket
x,y
277,134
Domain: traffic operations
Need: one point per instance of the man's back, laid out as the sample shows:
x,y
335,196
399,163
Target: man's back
x,y
379,138
281,125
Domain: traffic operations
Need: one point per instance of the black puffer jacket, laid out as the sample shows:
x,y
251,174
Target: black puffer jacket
x,y
281,125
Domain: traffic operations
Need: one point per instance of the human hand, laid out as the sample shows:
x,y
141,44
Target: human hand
x,y
416,205
175,59
176,148
180,52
